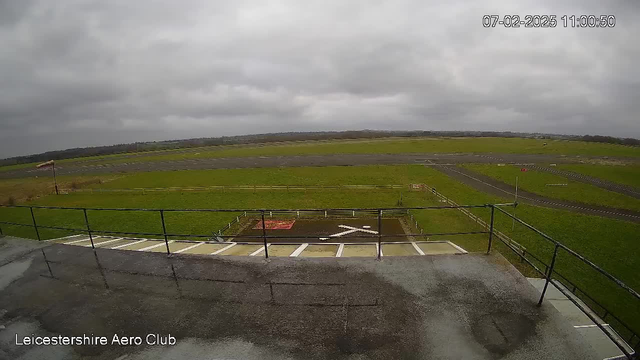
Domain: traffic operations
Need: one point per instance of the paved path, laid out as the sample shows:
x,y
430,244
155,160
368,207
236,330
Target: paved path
x,y
296,161
490,185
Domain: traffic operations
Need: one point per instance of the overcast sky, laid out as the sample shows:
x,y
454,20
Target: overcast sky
x,y
96,72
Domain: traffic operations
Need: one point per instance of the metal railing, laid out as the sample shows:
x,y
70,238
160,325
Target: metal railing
x,y
242,187
548,273
379,213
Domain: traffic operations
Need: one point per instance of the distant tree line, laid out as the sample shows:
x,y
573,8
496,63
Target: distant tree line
x,y
610,140
290,136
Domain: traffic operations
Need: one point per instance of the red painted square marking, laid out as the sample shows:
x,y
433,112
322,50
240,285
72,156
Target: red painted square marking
x,y
275,224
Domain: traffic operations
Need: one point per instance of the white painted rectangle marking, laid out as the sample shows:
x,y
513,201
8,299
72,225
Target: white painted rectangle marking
x,y
340,250
299,250
188,248
415,246
223,249
125,245
105,242
76,241
259,250
155,246
457,247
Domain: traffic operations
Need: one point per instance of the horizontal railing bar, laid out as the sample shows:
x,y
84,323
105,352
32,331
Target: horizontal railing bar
x,y
250,210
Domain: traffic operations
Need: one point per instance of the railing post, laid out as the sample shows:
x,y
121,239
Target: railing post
x,y
35,225
549,273
164,231
86,221
379,234
264,236
493,209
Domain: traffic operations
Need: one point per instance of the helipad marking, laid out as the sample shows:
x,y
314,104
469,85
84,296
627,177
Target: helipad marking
x,y
379,250
415,246
343,233
76,241
259,250
458,247
125,245
188,248
105,242
224,248
340,249
358,229
155,246
299,250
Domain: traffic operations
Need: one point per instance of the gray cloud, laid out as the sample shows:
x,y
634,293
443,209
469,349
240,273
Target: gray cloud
x,y
82,73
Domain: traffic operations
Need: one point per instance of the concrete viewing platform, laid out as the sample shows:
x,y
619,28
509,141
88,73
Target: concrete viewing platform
x,y
443,306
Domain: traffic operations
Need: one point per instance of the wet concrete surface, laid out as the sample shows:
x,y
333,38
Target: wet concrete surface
x,y
495,187
420,307
298,161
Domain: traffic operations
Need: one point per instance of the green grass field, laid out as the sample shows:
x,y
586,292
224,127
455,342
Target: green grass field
x,y
622,174
536,182
374,146
607,242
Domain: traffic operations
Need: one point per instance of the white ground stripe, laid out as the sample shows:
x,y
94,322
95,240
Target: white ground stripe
x,y
340,249
64,237
125,245
457,247
415,246
155,246
188,248
588,326
259,250
343,233
105,242
76,241
357,229
377,247
299,250
223,249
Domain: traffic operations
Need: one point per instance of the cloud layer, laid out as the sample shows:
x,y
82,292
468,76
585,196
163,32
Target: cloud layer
x,y
89,72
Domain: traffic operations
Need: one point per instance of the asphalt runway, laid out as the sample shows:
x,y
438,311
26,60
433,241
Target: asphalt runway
x,y
299,161
492,186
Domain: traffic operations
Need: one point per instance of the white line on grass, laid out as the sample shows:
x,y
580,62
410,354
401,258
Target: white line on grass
x,y
357,229
224,248
299,250
154,246
188,248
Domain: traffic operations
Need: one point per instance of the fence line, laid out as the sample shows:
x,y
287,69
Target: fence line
x,y
549,270
246,187
379,212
